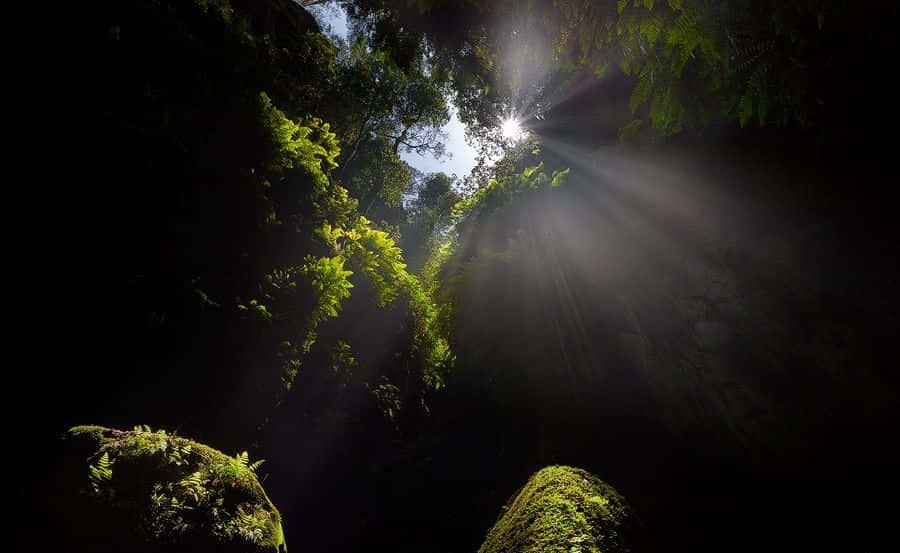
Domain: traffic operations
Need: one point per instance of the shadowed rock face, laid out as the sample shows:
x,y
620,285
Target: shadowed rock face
x,y
151,491
566,510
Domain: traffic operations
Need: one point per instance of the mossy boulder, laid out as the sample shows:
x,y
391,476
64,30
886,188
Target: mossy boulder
x,y
565,510
142,490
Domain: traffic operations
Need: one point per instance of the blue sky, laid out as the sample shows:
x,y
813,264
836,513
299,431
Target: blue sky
x,y
462,156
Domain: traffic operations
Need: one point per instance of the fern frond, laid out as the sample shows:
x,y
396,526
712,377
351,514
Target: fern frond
x,y
651,28
194,480
745,56
101,473
641,92
243,458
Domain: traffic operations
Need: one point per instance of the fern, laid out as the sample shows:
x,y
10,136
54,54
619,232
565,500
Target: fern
x,y
641,92
250,527
101,473
651,28
684,37
194,486
242,458
743,57
194,480
178,454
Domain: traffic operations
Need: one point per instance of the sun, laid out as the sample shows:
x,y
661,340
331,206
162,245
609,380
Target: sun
x,y
511,129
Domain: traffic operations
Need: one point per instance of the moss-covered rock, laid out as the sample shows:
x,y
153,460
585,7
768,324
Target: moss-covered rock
x,y
142,490
566,510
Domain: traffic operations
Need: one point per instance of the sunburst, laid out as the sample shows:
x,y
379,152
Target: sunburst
x,y
511,129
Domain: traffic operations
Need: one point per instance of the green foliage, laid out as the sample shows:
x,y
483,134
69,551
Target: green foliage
x,y
174,490
343,363
243,458
429,215
251,526
217,8
310,145
431,333
501,192
630,130
387,397
100,474
562,510
331,283
353,245
446,267
378,176
387,107
695,62
256,309
374,253
329,280
308,71
435,196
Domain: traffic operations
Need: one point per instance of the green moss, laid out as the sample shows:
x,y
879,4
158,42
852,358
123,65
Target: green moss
x,y
95,432
562,509
170,490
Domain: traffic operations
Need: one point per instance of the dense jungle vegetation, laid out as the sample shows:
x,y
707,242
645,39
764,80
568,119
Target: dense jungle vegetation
x,y
679,277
